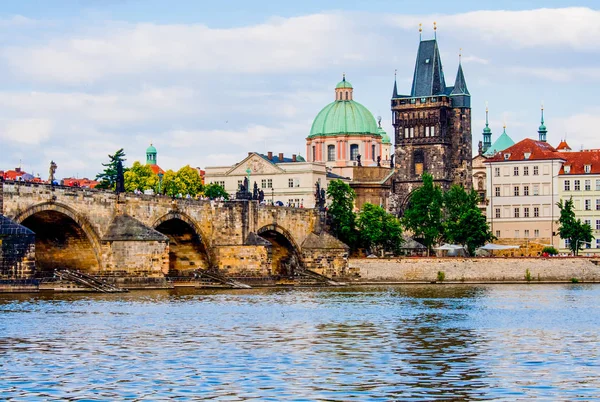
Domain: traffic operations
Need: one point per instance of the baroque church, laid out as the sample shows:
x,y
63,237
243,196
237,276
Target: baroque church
x,y
432,128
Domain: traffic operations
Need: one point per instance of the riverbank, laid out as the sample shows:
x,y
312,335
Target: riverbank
x,y
476,270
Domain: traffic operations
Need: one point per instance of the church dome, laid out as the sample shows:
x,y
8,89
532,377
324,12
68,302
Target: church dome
x,y
344,117
385,139
151,149
343,84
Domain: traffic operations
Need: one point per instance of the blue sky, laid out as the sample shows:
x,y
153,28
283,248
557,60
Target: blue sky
x,y
206,82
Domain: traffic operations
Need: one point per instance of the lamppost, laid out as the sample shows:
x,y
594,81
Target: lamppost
x,y
160,177
272,196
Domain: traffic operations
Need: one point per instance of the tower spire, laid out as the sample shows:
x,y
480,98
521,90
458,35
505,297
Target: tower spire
x,y
395,92
434,30
487,132
542,131
420,32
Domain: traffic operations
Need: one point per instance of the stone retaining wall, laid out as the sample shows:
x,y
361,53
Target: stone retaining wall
x,y
476,269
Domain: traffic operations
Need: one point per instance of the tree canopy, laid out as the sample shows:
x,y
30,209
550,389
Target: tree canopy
x,y
214,191
576,232
423,216
341,212
185,181
140,177
108,177
464,223
379,230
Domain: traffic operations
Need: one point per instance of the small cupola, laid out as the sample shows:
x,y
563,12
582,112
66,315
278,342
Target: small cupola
x,y
343,90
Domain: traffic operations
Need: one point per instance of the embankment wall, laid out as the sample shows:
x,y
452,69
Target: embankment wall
x,y
476,269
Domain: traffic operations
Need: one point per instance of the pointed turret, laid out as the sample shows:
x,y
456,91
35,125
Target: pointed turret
x,y
428,79
460,93
542,130
487,132
395,91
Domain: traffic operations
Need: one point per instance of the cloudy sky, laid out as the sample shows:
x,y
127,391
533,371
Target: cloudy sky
x,y
206,82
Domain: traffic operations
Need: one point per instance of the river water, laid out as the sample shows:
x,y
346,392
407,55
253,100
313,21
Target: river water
x,y
430,342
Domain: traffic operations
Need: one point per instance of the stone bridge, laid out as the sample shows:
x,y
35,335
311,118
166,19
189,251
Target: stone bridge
x,y
131,235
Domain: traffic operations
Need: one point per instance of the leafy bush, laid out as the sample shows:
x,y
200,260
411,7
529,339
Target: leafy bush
x,y
528,277
574,280
441,276
550,250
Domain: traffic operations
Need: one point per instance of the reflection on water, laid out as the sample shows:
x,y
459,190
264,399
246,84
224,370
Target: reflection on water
x,y
387,342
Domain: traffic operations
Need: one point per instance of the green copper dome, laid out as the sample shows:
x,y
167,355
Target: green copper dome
x,y
343,84
503,142
385,139
300,158
151,149
344,117
487,130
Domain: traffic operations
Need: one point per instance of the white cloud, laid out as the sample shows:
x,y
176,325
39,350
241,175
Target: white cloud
x,y
559,74
574,27
26,131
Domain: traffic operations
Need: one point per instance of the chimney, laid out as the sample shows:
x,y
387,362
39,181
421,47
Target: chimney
x,y
293,157
270,155
250,153
18,170
280,157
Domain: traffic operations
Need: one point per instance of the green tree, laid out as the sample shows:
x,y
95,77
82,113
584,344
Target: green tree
x,y
214,191
423,216
108,178
341,212
185,181
572,229
464,223
140,177
379,230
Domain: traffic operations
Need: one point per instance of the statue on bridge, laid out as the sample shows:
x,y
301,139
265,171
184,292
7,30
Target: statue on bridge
x,y
243,192
358,159
392,161
255,192
120,181
52,171
379,161
319,196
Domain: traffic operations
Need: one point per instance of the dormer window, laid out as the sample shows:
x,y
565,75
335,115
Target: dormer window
x,y
526,155
506,157
567,169
588,168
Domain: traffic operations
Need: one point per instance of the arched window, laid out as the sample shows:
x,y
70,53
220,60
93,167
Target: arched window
x,y
418,162
374,157
330,153
354,152
346,95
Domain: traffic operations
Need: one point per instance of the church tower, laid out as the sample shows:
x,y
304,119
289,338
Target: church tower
x,y
151,155
487,133
432,128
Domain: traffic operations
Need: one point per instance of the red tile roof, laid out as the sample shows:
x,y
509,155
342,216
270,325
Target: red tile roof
x,y
538,150
578,160
73,182
156,169
563,146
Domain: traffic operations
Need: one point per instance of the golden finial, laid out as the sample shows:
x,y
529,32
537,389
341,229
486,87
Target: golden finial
x,y
434,26
486,106
459,54
542,105
395,72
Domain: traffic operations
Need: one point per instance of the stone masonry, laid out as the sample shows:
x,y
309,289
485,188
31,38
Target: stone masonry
x,y
87,232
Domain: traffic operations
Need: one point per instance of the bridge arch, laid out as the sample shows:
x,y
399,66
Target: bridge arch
x,y
63,238
286,258
189,249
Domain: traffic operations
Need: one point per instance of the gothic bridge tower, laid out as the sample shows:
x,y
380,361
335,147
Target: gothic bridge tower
x,y
432,128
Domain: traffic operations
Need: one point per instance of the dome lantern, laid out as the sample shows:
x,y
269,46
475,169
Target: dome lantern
x,y
343,90
151,155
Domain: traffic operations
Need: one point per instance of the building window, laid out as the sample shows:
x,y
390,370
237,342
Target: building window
x,y
526,212
373,156
497,172
536,189
567,243
526,190
525,170
567,185
353,152
577,184
516,212
497,212
497,191
516,171
597,185
269,183
290,182
588,222
536,233
263,184
516,191
516,234
331,153
314,153
412,132
426,131
433,131
497,233
536,212
597,224
526,233
597,243
419,162
588,205
588,168
587,185
406,132
536,170
597,204
296,182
